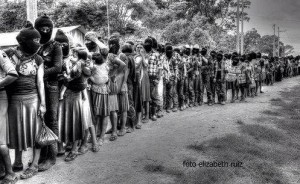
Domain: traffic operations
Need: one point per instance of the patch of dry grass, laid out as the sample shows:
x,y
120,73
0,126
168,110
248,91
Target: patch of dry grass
x,y
260,132
271,113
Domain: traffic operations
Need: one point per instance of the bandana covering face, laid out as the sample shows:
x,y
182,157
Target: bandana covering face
x,y
148,47
169,53
91,45
45,37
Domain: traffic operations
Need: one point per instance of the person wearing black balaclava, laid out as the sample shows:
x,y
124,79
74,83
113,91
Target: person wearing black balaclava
x,y
118,96
51,52
191,76
197,62
182,80
121,82
213,60
127,56
170,61
261,65
155,73
161,83
206,75
26,96
219,78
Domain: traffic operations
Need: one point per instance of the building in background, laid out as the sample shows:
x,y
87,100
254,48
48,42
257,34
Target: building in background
x,y
76,32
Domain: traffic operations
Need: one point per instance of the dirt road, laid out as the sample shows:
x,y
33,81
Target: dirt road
x,y
155,154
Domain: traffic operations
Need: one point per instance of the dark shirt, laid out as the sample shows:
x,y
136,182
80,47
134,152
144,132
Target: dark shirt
x,y
52,55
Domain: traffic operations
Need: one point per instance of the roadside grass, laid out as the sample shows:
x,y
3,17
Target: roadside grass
x,y
263,150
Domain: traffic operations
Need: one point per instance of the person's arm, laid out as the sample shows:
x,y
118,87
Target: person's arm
x,y
120,63
9,69
41,90
57,62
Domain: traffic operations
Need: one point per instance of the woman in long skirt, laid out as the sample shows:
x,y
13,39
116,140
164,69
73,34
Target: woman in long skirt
x,y
142,95
26,99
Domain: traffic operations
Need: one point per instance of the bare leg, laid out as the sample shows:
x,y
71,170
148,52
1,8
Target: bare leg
x,y
103,125
4,152
147,111
123,123
36,156
113,120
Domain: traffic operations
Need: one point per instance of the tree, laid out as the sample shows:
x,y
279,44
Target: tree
x,y
251,41
13,17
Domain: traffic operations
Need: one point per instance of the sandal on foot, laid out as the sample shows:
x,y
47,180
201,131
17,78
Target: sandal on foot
x,y
9,179
113,137
122,132
71,156
95,148
129,130
138,126
60,154
29,172
82,150
100,142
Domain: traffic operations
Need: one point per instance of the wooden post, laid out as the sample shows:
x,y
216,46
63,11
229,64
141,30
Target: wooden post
x,y
31,7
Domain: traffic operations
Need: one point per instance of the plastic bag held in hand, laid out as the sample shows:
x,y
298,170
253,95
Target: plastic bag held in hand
x,y
46,136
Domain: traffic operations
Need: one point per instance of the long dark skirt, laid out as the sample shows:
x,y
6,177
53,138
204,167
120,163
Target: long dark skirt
x,y
70,119
24,122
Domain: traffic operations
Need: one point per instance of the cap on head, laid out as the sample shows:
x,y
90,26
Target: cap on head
x,y
196,46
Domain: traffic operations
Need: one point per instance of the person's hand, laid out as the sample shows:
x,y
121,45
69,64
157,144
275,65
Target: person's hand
x,y
88,87
42,110
215,80
123,88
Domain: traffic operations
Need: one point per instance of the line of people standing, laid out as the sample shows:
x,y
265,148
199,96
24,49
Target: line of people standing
x,y
76,90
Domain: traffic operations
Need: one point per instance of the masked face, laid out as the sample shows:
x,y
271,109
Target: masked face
x,y
203,52
30,47
188,52
195,51
169,53
46,33
100,60
148,47
235,62
65,49
114,48
90,45
219,58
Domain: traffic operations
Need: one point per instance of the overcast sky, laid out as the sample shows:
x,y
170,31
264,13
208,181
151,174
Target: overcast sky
x,y
284,13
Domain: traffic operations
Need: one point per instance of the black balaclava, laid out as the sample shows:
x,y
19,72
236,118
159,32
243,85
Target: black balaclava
x,y
61,37
114,45
127,48
154,43
160,48
203,52
91,45
219,57
90,38
98,58
235,61
177,50
187,51
169,51
28,39
243,58
195,51
213,54
258,55
248,58
44,21
148,44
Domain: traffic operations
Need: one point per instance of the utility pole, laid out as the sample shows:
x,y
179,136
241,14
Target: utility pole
x,y
279,31
274,50
242,34
31,9
108,30
238,27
